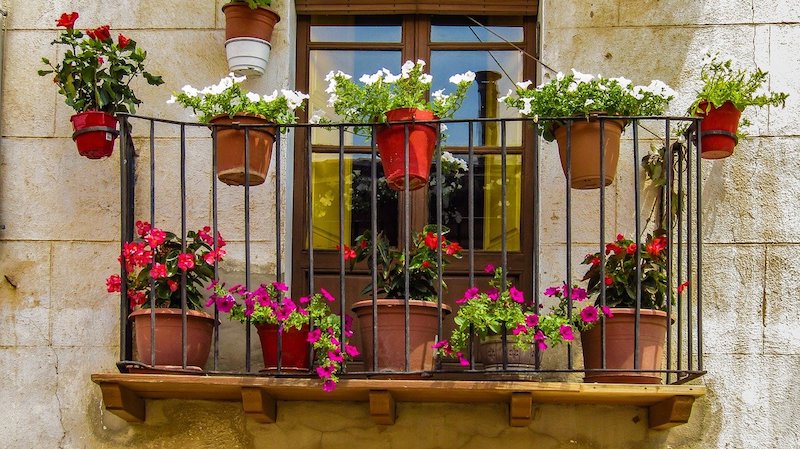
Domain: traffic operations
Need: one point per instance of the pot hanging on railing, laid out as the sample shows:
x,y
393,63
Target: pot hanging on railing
x,y
585,151
718,129
94,133
391,140
230,143
248,33
294,347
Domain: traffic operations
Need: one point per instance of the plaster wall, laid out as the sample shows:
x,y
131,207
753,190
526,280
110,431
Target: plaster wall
x,y
60,218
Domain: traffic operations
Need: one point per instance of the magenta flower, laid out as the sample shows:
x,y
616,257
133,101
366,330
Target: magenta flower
x,y
516,295
551,291
519,329
325,372
336,356
578,294
351,350
440,344
471,293
249,307
314,336
280,286
225,304
539,338
607,312
158,271
328,386
185,261
304,300
493,294
532,320
327,295
155,237
589,314
489,269
463,361
566,332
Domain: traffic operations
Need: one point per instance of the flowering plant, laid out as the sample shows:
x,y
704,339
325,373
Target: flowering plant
x,y
423,268
95,73
382,91
156,259
502,307
582,94
621,272
229,98
253,4
266,305
570,310
723,83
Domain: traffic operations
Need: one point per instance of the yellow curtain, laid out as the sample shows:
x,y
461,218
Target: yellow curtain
x,y
326,199
492,202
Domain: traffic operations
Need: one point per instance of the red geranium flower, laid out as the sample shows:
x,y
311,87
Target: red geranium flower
x,y
431,240
185,261
101,33
453,248
67,20
656,246
123,41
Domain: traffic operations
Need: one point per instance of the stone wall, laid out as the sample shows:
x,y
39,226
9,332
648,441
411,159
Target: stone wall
x,y
60,217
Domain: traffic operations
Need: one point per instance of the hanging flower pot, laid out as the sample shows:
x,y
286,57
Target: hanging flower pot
x,y
294,347
585,144
168,333
718,129
230,142
95,133
421,144
248,33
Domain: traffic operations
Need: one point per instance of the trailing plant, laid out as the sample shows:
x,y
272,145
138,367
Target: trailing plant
x,y
95,73
157,257
580,94
229,98
267,305
422,268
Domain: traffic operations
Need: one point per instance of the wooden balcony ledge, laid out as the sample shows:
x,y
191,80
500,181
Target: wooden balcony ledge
x,y
124,394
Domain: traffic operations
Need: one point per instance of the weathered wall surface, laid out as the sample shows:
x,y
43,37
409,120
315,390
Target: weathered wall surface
x,y
60,215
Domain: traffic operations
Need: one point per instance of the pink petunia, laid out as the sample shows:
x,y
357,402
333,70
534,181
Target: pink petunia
x,y
516,295
328,386
493,294
489,269
325,372
607,312
566,332
314,336
336,356
589,314
327,295
532,320
519,329
540,338
225,304
280,286
461,359
578,294
351,350
551,291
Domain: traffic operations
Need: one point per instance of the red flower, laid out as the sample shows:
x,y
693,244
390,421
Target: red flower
x,y
142,228
214,255
173,286
657,245
114,283
426,264
185,261
620,237
158,271
349,253
136,298
682,287
123,41
632,249
613,247
453,248
363,244
609,280
67,20
595,261
155,237
100,60
100,33
431,240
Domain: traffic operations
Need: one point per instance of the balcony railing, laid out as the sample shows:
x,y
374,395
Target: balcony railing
x,y
676,206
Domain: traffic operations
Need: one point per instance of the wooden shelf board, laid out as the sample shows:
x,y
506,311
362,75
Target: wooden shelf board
x,y
259,393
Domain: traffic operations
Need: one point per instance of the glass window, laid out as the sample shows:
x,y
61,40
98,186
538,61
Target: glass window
x,y
498,29
355,29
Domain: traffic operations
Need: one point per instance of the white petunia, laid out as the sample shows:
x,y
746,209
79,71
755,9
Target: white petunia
x,y
317,116
332,100
589,102
526,109
406,69
253,97
172,99
466,77
582,77
271,97
624,82
190,91
524,84
293,99
559,76
506,96
371,79
425,78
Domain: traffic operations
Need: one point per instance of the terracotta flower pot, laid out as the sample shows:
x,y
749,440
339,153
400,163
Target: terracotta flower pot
x,y
294,347
620,345
421,144
241,21
199,330
230,149
490,353
586,151
718,130
95,133
423,327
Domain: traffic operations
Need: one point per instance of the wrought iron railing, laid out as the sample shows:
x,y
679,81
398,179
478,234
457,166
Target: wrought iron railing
x,y
683,357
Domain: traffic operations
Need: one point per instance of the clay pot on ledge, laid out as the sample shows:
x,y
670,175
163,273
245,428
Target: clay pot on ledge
x,y
95,133
423,327
230,141
585,152
490,353
168,338
421,145
295,348
248,33
718,129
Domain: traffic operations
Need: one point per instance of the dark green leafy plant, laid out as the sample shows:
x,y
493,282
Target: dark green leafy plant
x,y
96,72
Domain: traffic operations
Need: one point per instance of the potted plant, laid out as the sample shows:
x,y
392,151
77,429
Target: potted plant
x,y
248,33
587,97
488,314
273,314
155,264
621,283
726,92
386,98
422,270
94,77
227,105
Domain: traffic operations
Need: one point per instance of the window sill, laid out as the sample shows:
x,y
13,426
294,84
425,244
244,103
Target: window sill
x,y
124,395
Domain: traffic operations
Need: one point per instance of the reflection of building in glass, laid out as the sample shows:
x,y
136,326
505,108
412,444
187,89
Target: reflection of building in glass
x,y
487,88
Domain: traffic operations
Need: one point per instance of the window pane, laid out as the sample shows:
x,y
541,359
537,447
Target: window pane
x,y
487,199
509,29
353,62
496,71
356,29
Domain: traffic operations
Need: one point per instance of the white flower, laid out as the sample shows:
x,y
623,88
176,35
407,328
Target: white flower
x,y
573,86
559,76
172,99
190,91
467,77
271,97
624,82
236,79
371,79
389,78
582,77
524,84
420,63
317,116
506,96
293,99
439,96
589,102
527,108
331,87
425,78
406,69
332,100
253,97
637,92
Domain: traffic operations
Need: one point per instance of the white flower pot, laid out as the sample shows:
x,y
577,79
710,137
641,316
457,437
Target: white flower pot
x,y
247,55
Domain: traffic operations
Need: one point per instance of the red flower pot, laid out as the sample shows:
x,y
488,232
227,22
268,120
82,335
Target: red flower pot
x,y
294,347
230,149
421,143
169,328
95,133
718,129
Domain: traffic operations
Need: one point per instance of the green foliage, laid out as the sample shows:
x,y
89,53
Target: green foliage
x,y
229,98
253,4
95,73
579,94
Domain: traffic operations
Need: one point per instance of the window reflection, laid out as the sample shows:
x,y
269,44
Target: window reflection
x,y
498,29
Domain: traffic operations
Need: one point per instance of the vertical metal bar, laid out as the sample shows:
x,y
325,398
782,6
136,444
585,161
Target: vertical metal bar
x,y
125,236
215,236
638,238
278,257
130,175
341,240
374,249
184,305
536,236
569,232
699,249
503,226
407,242
670,176
689,242
603,243
471,227
310,215
679,265
153,224
439,180
247,333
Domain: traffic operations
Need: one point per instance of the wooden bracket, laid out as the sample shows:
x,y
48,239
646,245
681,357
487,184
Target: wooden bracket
x,y
520,409
670,412
259,405
123,402
382,407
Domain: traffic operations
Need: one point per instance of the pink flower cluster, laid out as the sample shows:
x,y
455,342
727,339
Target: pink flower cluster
x,y
447,349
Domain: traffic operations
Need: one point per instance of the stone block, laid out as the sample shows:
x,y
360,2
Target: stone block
x,y
580,14
782,312
684,12
119,13
776,11
25,289
784,63
69,197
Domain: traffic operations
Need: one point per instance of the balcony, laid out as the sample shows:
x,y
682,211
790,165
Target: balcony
x,y
511,207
